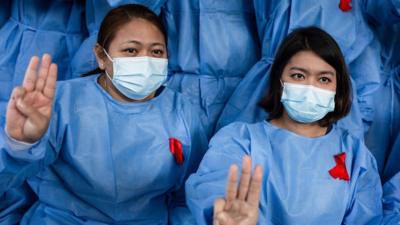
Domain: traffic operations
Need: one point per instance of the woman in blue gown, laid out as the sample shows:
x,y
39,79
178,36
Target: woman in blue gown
x,y
110,148
314,171
275,19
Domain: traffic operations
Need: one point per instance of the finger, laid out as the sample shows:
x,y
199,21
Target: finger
x,y
253,197
50,87
231,187
218,207
29,111
43,72
31,74
18,92
245,178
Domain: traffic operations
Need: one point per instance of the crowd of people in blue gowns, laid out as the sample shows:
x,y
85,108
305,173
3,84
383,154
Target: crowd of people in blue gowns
x,y
80,145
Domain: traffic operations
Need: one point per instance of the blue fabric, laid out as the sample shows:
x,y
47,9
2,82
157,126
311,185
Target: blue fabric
x,y
381,138
275,19
391,201
211,45
4,11
14,203
103,162
84,59
382,12
296,187
34,28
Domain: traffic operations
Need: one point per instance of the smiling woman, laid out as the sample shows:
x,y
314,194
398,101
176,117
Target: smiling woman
x,y
112,148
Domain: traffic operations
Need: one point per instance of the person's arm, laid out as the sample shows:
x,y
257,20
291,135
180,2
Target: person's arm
x,y
27,144
365,206
208,184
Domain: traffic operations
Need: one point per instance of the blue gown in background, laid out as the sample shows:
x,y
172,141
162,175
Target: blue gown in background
x,y
211,46
84,59
391,201
297,187
5,6
14,203
277,18
383,138
36,27
104,162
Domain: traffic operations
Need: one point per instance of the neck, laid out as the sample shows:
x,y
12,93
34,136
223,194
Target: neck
x,y
311,130
108,86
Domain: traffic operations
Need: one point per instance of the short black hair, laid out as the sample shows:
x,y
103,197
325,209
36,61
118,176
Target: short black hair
x,y
322,44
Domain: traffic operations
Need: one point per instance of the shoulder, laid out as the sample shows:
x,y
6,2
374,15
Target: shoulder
x,y
75,86
239,133
355,147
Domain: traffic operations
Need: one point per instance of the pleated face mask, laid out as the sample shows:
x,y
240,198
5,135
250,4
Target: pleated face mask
x,y
138,77
306,103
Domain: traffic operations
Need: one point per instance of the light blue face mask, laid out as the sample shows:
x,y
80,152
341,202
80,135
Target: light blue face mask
x,y
306,103
138,77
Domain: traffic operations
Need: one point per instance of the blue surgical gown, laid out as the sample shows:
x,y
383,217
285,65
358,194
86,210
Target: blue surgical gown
x,y
36,27
276,19
383,138
106,162
4,11
84,60
14,203
391,201
297,187
211,46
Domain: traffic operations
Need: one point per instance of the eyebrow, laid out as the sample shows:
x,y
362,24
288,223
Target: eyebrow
x,y
307,72
140,43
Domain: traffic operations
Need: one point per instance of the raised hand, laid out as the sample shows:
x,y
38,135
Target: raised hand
x,y
30,105
240,205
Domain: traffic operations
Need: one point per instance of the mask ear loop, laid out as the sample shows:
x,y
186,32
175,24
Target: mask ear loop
x,y
107,75
108,56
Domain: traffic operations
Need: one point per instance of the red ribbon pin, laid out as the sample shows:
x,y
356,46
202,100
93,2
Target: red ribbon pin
x,y
340,171
345,5
175,147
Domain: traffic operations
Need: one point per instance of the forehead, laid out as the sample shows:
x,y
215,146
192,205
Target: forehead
x,y
310,61
140,30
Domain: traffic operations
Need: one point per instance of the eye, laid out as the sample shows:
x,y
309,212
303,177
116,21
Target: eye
x,y
324,80
157,52
298,76
131,50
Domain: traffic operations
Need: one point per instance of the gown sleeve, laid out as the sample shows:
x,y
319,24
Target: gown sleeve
x,y
19,161
365,207
227,147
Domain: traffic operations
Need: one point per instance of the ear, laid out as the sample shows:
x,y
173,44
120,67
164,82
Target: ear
x,y
100,56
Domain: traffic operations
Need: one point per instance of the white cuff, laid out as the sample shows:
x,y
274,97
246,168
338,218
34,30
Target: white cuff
x,y
16,145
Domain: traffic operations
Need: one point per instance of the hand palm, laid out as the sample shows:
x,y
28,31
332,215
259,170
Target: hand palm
x,y
30,106
240,205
